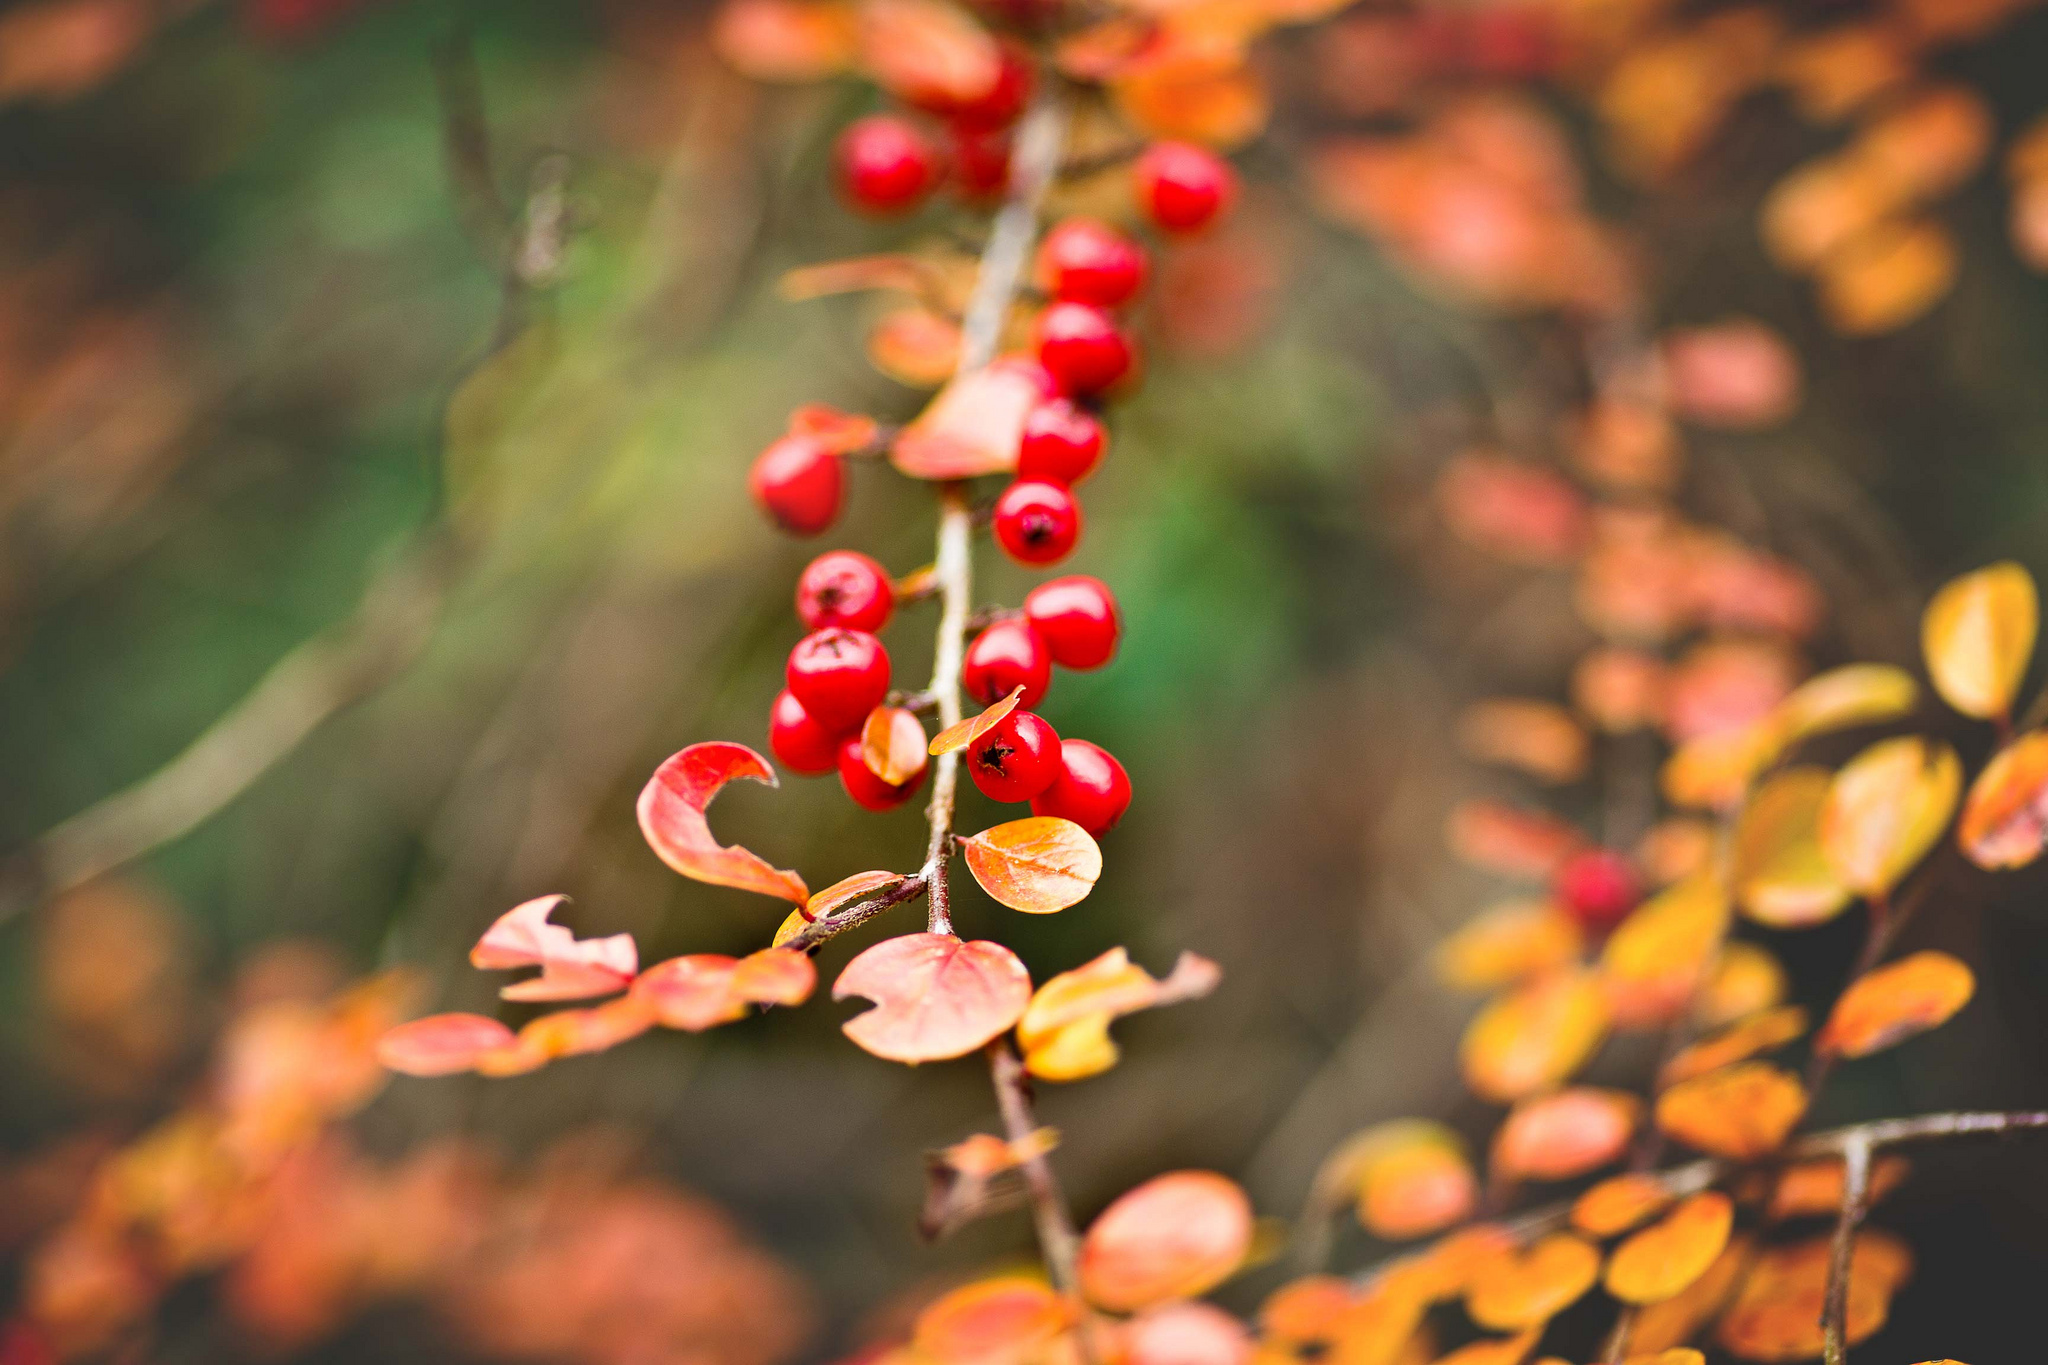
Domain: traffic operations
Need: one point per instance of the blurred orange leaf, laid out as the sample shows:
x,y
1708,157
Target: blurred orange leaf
x,y
1495,1351
935,997
1186,1334
1408,1178
784,40
1896,1001
569,1033
1681,1318
1776,1314
1758,1032
2005,816
1520,512
1655,960
441,1044
702,990
1509,840
1175,1236
1618,1203
1507,943
964,733
1039,865
1978,636
1534,1037
842,433
1745,978
892,745
1886,277
973,425
1740,1112
1007,1319
1305,1311
1566,1134
1537,737
1619,688
1662,1259
1528,1288
926,52
1886,808
1854,694
915,346
1065,1030
965,1181
571,969
858,274
671,811
1781,876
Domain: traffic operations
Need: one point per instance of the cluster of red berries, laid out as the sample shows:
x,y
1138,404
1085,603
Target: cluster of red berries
x,y
888,164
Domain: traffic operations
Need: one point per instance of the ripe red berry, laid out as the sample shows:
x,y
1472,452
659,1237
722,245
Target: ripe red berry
x,y
1017,759
838,676
799,742
864,787
1062,442
1091,262
1037,522
1006,656
1077,619
1597,887
1082,347
1092,790
885,164
844,588
1003,102
799,483
980,162
1182,187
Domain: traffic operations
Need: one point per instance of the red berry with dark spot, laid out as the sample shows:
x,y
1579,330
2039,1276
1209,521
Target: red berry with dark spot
x,y
1091,262
1077,619
799,483
799,742
1006,656
844,588
1037,522
1182,187
838,676
864,787
1062,443
885,164
1092,790
1082,347
1597,887
1017,759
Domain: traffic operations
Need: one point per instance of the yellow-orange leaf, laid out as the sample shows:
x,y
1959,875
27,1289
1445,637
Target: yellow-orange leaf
x,y
1498,1351
1741,1112
1508,943
1618,1203
935,997
1065,1030
1306,1310
1978,634
702,990
844,892
785,40
1895,1002
1662,1259
1564,1135
1173,1237
1745,978
964,733
1758,1032
1536,737
1781,876
2005,816
915,346
1886,808
1681,1318
892,745
1854,694
1526,1289
1039,865
1657,958
1409,1177
1007,1319
1534,1037
1777,1313
1713,771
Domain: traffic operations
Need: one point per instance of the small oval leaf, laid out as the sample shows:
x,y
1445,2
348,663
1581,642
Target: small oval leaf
x,y
441,1044
1978,634
1038,865
935,997
1886,808
1895,1002
964,733
892,745
1175,1236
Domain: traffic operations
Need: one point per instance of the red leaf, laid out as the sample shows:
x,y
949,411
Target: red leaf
x,y
672,817
702,990
935,997
571,969
441,1044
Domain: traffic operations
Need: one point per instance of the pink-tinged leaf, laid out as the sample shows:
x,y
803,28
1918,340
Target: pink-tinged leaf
x,y
568,1033
844,892
935,997
571,969
973,425
974,727
671,813
703,990
1040,865
441,1044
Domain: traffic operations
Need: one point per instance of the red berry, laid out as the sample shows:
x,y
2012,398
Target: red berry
x,y
1597,887
1091,262
885,164
1077,619
980,163
1092,790
1006,656
1037,522
799,483
1017,759
803,745
839,676
1062,443
1182,187
1003,102
864,787
1081,346
844,588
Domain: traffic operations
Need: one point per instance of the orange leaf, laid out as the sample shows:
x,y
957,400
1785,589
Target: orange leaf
x,y
1564,1135
1618,1203
1895,1002
1745,978
915,346
1007,1319
1776,1315
1741,1112
569,1033
842,433
1537,737
441,1044
1527,1289
1781,876
892,745
1713,771
2005,816
844,892
1039,865
1186,1334
1065,1030
1620,689
1679,1319
671,810
1175,1236
1534,1037
1886,808
973,425
929,53
1978,634
702,990
1812,1187
856,274
1888,276
1759,1032
964,733
1409,1178
1661,1260
1518,511
1654,962
1497,1351
571,969
1512,842
935,997
784,40
1305,1311
1508,943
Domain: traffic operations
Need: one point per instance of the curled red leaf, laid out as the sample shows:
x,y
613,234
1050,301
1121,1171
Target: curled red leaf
x,y
571,968
671,811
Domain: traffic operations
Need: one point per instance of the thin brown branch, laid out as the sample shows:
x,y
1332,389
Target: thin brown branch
x,y
822,930
1056,1236
1834,1315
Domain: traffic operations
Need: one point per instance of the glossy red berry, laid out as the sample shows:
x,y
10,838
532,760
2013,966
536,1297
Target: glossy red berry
x,y
1182,187
980,163
1081,346
1017,759
838,676
1091,262
1062,443
1597,887
864,787
1003,102
798,742
1092,790
799,483
885,164
1037,522
844,588
1077,619
1006,656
